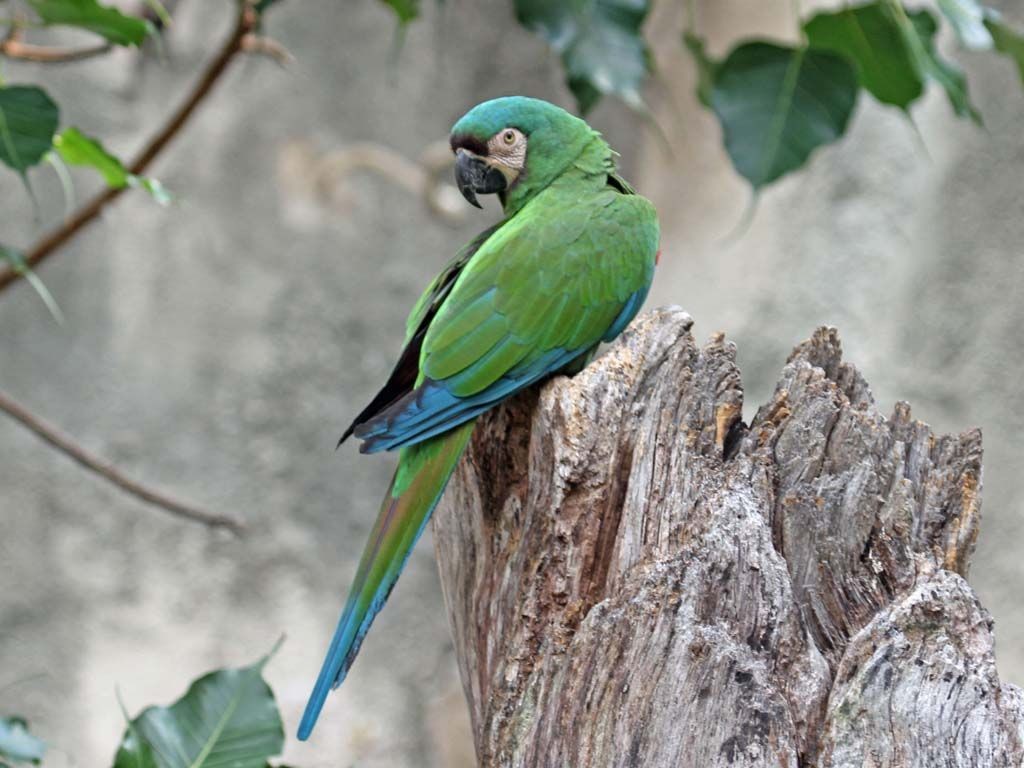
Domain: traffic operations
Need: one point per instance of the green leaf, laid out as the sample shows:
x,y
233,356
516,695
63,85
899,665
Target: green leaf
x,y
706,66
968,19
599,41
870,37
75,148
135,752
28,120
226,718
919,30
1007,42
405,10
21,267
777,105
17,744
105,21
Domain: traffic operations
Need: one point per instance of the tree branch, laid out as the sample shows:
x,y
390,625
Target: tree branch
x,y
247,21
13,48
267,46
111,474
326,175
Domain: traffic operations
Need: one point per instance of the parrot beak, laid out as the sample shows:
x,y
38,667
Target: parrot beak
x,y
473,175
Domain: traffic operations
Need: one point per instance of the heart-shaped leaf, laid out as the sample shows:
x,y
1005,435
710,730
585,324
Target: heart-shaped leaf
x,y
226,718
777,105
28,120
599,41
17,744
1007,42
871,38
103,20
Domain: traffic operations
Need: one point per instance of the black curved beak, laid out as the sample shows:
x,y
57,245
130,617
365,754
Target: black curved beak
x,y
474,176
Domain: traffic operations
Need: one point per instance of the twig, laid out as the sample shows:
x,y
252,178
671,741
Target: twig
x,y
111,474
247,21
13,48
328,173
268,47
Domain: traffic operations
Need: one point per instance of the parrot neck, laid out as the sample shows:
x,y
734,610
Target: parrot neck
x,y
594,162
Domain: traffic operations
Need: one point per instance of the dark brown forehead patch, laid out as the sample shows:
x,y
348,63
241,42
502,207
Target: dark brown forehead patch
x,y
472,143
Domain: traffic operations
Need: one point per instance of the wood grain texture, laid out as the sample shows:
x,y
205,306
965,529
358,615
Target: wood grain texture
x,y
636,578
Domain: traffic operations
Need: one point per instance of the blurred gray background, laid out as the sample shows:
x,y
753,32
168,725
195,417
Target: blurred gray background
x,y
217,348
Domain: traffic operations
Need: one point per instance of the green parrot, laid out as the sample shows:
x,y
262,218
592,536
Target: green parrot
x,y
566,268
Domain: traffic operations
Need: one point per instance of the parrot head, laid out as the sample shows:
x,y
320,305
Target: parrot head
x,y
514,147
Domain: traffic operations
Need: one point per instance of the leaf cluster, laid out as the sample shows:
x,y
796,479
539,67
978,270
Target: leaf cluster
x,y
30,118
776,103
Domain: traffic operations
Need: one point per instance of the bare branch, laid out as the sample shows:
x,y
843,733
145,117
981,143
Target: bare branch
x,y
13,48
111,474
327,175
246,22
267,46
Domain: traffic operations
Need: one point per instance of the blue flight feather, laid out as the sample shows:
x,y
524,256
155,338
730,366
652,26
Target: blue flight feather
x,y
435,410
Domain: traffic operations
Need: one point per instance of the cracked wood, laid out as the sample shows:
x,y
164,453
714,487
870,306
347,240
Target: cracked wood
x,y
634,577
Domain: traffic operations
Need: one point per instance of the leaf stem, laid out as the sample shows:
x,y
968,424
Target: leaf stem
x,y
67,186
245,23
271,653
110,473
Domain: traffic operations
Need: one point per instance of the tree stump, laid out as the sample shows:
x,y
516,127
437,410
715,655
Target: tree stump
x,y
634,577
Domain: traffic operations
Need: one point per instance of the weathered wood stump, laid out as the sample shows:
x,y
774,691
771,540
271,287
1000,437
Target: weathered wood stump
x,y
635,578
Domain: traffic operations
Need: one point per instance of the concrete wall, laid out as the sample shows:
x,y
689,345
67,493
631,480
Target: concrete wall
x,y
218,348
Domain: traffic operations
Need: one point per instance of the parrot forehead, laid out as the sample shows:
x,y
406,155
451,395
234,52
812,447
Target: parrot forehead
x,y
528,115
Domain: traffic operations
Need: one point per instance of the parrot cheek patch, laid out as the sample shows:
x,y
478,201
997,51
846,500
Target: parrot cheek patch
x,y
508,148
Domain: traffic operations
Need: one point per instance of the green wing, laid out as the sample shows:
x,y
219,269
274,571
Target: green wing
x,y
406,371
542,290
440,286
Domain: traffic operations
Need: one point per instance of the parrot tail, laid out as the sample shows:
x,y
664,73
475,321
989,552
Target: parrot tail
x,y
422,474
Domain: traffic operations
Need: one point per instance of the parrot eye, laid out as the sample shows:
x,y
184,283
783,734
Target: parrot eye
x,y
508,148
